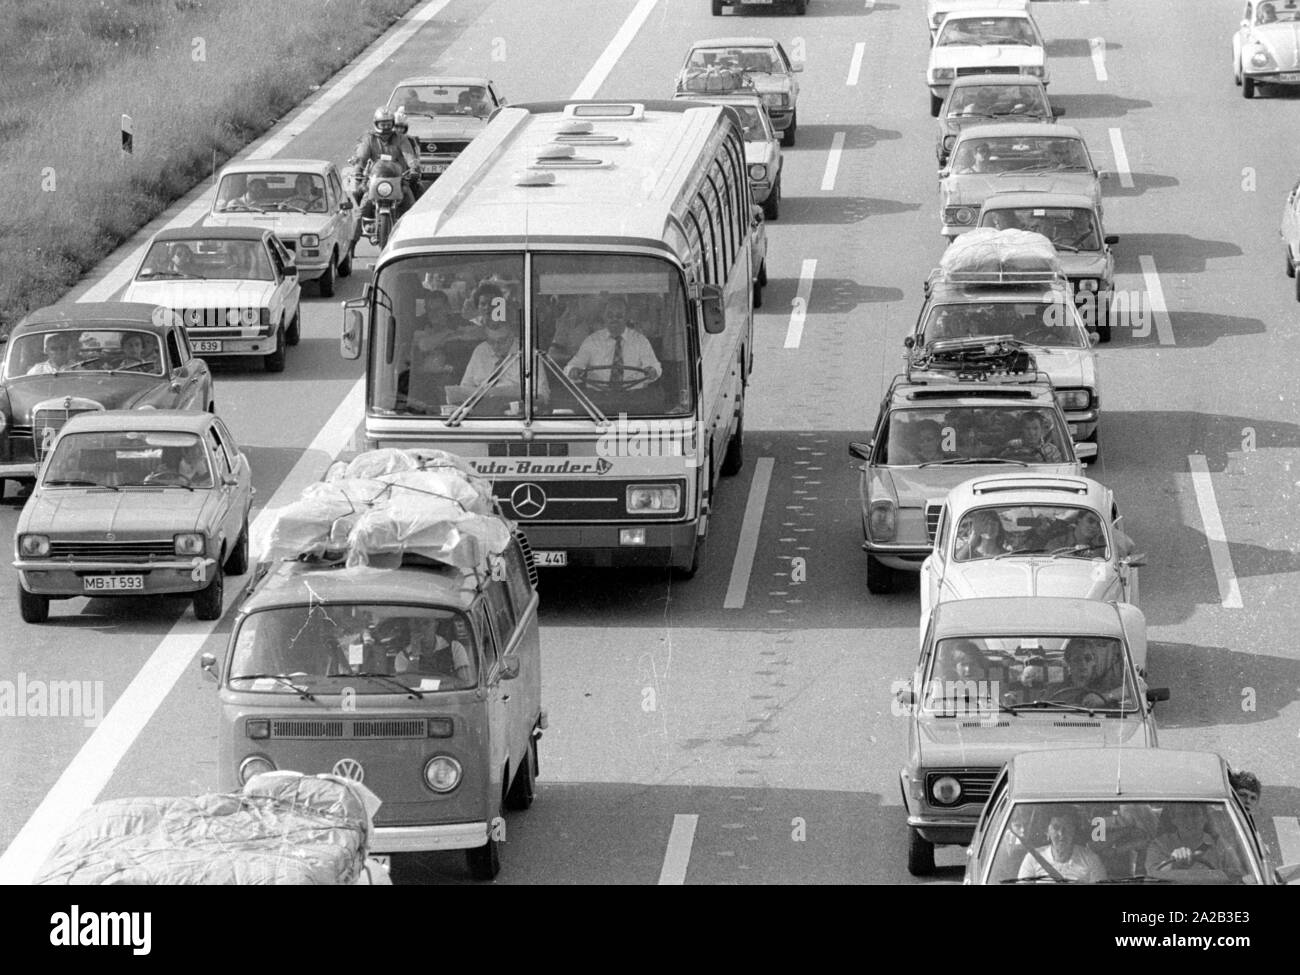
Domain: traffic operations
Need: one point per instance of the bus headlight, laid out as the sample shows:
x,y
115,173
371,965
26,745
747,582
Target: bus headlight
x,y
946,790
34,546
1074,399
258,729
189,543
442,773
254,765
758,171
653,497
883,520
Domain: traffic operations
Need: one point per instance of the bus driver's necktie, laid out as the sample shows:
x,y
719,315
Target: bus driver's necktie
x,y
616,363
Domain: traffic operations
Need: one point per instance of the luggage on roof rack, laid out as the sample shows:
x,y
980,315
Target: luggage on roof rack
x,y
714,78
984,358
988,256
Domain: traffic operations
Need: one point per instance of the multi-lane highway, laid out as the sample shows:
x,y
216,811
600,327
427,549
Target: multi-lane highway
x,y
737,728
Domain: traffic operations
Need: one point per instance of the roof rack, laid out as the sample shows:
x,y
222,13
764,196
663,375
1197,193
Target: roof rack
x,y
995,277
991,358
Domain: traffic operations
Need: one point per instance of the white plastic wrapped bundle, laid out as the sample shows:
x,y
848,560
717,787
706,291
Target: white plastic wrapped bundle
x,y
434,528
471,494
319,521
985,250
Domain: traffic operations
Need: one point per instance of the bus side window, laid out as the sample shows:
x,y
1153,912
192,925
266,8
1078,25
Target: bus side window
x,y
724,212
705,237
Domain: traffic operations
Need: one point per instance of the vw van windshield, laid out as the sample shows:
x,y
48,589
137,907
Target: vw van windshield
x,y
373,648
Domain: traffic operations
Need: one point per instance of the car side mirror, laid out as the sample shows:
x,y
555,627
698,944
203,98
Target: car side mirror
x,y
208,664
905,696
1094,338
1111,239
345,203
354,329
943,173
860,450
1134,561
909,341
1103,174
715,320
290,269
509,666
1156,694
1085,451
796,66
1057,112
229,480
502,103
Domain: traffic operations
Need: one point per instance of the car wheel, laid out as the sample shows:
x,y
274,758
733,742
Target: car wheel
x,y
717,8
1297,288
920,855
34,608
237,561
880,577
800,7
772,205
1290,264
936,103
325,283
484,861
275,361
1236,69
788,136
1247,87
207,601
524,787
345,267
294,335
762,273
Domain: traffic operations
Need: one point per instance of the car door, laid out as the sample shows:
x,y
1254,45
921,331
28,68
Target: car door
x,y
226,520
231,467
346,212
932,569
498,745
1243,32
284,298
184,388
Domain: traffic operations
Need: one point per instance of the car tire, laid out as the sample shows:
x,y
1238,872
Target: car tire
x,y
1290,264
275,361
880,577
733,461
345,266
237,560
325,283
208,600
772,205
1236,69
523,789
936,103
294,335
34,608
920,855
717,8
758,295
1297,288
788,136
762,273
697,559
800,7
1247,87
484,862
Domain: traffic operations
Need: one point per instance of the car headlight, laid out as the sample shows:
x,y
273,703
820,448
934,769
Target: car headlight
x,y
883,520
442,773
34,546
757,171
1036,71
1260,58
945,790
384,188
653,497
961,216
1088,284
1073,399
189,543
254,765
948,141
942,74
310,240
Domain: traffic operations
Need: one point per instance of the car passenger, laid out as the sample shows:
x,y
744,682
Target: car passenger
x,y
1266,14
1246,785
980,535
60,352
1095,666
307,196
922,443
1063,856
961,660
1033,441
613,350
1001,220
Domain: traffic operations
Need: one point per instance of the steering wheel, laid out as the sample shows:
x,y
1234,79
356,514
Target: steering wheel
x,y
609,385
1197,857
164,476
1082,696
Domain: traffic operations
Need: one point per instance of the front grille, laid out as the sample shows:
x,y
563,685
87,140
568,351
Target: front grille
x,y
114,551
520,448
976,784
579,501
989,69
47,423
530,560
307,729
932,511
392,728
337,729
443,148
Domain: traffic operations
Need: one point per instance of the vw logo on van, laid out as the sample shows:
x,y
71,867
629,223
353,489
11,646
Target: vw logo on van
x,y
528,500
350,768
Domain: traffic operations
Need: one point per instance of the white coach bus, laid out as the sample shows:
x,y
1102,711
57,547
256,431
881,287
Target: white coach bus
x,y
570,309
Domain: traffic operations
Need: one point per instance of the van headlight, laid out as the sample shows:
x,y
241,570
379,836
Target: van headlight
x,y
442,773
34,546
757,171
653,497
254,765
188,543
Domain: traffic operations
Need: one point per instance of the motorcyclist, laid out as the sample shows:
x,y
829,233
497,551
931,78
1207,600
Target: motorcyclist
x,y
400,124
382,140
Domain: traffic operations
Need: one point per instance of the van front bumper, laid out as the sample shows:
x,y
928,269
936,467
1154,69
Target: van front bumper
x,y
422,839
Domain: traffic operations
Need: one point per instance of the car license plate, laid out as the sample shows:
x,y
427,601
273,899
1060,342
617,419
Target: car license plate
x,y
205,345
551,558
749,2
1289,76
112,583
433,167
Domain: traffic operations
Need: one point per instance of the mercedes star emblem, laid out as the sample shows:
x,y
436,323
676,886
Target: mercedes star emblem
x,y
528,500
350,768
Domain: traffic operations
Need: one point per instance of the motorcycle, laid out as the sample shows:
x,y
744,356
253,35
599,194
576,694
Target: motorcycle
x,y
382,182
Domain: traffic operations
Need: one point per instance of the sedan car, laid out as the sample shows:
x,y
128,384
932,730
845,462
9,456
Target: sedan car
x,y
1020,535
984,40
762,146
75,358
235,289
133,503
1266,46
1001,676
444,114
936,10
984,98
1118,817
988,159
764,62
303,202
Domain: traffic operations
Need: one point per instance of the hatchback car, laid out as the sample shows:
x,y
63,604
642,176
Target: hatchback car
x,y
981,99
235,289
1118,817
75,358
133,503
764,63
936,10
1266,46
444,114
984,40
303,202
1000,676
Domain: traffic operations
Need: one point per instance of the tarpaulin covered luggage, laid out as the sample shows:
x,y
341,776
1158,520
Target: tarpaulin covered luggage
x,y
985,251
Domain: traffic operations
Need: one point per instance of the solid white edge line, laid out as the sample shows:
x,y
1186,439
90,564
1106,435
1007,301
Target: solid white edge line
x,y
1098,45
1220,556
833,161
799,309
1156,294
855,65
678,855
742,566
1121,159
614,50
1288,839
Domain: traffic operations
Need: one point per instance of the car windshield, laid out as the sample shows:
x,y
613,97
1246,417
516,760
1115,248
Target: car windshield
x,y
1068,530
1121,841
1070,229
287,192
751,119
968,434
992,101
958,30
330,643
1027,674
129,458
91,350
213,259
1276,13
439,100
1050,324
752,60
1020,154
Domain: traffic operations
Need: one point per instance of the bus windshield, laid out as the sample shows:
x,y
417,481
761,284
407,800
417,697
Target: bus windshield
x,y
609,333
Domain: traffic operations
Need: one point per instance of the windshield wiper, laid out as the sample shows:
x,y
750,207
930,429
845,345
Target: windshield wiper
x,y
1076,549
1090,712
974,460
1137,878
298,689
481,390
583,399
390,681
74,482
1042,879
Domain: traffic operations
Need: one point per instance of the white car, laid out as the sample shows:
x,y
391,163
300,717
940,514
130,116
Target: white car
x,y
235,289
936,10
762,146
1024,534
984,40
1266,47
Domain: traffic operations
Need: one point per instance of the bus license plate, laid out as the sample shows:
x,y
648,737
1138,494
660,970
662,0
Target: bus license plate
x,y
112,583
551,558
204,345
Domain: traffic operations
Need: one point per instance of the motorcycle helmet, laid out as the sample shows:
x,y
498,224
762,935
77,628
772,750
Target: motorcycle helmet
x,y
399,120
383,121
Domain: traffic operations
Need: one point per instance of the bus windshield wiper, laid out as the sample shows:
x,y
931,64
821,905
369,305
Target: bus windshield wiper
x,y
583,399
390,681
298,689
458,415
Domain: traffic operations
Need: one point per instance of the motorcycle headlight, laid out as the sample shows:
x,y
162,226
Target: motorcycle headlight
x,y
189,543
757,171
653,497
945,790
34,546
1073,399
384,188
442,773
883,520
310,240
